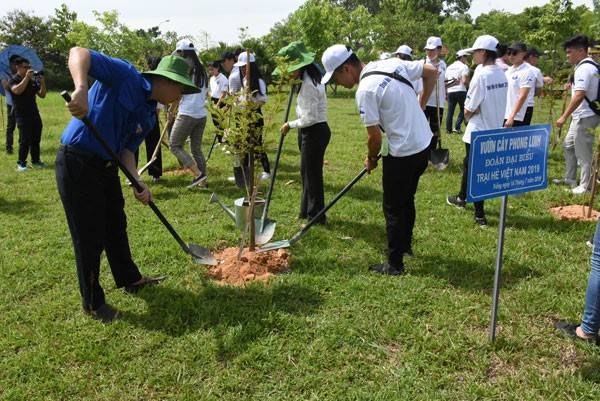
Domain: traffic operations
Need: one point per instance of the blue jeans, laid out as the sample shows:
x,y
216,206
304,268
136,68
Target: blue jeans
x,y
455,98
590,323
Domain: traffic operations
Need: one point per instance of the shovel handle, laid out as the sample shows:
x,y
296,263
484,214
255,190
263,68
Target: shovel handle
x,y
330,204
128,174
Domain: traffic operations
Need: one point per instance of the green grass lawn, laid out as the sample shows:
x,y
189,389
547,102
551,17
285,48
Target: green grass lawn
x,y
329,330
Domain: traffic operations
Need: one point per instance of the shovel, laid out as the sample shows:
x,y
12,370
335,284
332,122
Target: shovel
x,y
440,156
200,254
287,243
266,227
155,153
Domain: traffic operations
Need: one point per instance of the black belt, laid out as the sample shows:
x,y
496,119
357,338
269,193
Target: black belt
x,y
88,156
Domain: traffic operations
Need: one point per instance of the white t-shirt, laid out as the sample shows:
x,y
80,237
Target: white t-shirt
x,y
218,85
585,79
441,89
311,104
392,104
487,99
539,83
194,105
257,97
520,77
235,80
457,70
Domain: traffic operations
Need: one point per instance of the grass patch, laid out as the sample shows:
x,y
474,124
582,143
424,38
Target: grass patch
x,y
330,330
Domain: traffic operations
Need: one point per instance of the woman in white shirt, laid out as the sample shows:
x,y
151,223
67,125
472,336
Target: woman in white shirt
x,y
313,131
191,118
218,92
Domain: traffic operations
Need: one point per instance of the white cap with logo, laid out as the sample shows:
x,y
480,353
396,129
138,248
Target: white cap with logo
x,y
462,53
433,42
184,44
332,58
243,59
404,50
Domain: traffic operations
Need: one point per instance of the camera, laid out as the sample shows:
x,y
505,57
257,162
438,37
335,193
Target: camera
x,y
38,73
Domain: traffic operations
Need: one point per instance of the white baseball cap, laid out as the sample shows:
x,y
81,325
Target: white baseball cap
x,y
433,42
385,56
404,50
243,59
462,53
332,58
485,42
184,44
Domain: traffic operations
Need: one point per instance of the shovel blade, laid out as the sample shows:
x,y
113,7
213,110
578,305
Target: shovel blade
x,y
201,255
440,158
265,234
274,245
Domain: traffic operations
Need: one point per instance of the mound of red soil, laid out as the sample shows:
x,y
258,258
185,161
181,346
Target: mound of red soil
x,y
252,266
574,212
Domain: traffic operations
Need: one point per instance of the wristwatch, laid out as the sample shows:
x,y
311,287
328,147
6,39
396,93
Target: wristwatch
x,y
372,159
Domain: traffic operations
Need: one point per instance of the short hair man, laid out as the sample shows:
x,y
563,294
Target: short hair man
x,y
25,86
520,87
387,104
458,73
579,141
122,105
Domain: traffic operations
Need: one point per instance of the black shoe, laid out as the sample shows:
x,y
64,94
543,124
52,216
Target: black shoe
x,y
482,221
197,181
135,288
409,252
456,201
386,269
570,330
457,131
105,313
9,151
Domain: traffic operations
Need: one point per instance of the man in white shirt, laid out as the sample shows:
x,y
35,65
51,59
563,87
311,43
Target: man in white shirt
x,y
388,103
532,56
579,141
434,111
458,74
520,83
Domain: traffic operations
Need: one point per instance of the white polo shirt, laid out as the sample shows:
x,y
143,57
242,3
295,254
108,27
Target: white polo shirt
x,y
457,70
520,77
194,105
487,99
218,85
441,89
585,79
539,83
392,104
235,80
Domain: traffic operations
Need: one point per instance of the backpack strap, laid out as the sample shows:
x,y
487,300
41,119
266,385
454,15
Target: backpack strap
x,y
394,75
592,103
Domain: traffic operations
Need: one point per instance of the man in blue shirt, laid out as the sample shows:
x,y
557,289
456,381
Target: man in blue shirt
x,y
121,104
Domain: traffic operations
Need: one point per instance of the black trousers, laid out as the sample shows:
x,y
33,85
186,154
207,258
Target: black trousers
x,y
11,124
91,195
30,136
455,98
528,116
151,141
479,209
312,142
400,181
431,113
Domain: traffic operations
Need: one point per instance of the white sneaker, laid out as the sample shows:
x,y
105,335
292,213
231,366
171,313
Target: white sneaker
x,y
265,176
580,190
565,181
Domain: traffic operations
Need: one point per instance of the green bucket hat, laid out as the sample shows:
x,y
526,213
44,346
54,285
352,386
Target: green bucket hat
x,y
296,54
176,69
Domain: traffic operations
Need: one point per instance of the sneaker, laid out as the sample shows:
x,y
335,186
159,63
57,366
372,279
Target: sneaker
x,y
565,181
590,242
387,269
482,221
456,201
39,164
155,179
457,131
580,190
448,132
21,167
144,282
265,176
197,181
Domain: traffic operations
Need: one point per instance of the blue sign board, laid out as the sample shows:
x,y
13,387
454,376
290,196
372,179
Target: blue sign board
x,y
508,161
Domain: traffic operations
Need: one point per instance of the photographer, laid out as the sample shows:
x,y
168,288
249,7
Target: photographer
x,y
24,87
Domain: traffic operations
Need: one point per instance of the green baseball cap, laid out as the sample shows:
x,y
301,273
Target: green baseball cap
x,y
297,54
176,69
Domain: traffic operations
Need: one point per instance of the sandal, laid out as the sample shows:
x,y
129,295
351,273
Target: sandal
x,y
570,330
145,281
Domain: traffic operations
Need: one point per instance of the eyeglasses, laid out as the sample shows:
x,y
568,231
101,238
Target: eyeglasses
x,y
24,66
511,52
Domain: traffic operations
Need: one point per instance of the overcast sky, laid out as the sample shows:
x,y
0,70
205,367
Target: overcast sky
x,y
220,20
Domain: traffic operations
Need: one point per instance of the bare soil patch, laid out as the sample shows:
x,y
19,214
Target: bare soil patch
x,y
253,266
574,212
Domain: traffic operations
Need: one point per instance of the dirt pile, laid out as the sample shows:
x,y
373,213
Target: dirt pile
x,y
574,212
252,266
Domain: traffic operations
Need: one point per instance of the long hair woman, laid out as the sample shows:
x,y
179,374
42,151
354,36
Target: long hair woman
x,y
191,118
313,131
